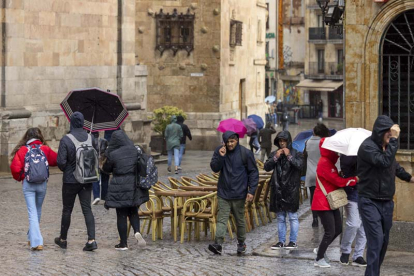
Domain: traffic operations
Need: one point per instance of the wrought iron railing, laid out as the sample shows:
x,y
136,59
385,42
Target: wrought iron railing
x,y
317,33
325,69
334,33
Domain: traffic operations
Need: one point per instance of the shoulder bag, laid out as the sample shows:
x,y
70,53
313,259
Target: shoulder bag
x,y
336,199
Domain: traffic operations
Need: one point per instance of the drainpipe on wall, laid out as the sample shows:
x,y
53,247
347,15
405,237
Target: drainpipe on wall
x,y
3,55
119,49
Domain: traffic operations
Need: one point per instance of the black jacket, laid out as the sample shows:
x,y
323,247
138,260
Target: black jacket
x,y
377,168
236,178
186,130
66,159
265,137
349,169
285,181
122,158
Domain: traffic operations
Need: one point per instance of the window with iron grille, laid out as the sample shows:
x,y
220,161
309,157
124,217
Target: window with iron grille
x,y
175,31
236,33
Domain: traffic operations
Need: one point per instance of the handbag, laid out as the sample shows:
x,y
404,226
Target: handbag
x,y
336,199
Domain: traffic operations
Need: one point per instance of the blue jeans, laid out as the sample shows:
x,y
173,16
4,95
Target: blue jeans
x,y
34,194
176,157
274,116
182,148
294,226
101,190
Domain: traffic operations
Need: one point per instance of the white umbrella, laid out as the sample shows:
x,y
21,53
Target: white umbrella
x,y
347,141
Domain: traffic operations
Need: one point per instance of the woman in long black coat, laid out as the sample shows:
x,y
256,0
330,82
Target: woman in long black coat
x,y
123,192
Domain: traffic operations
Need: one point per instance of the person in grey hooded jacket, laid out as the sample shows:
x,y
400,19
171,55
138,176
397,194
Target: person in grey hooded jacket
x,y
173,134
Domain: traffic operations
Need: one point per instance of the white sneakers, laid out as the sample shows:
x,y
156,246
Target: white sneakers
x,y
140,239
96,201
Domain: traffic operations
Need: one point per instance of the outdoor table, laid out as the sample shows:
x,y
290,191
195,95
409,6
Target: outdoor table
x,y
177,194
212,183
199,188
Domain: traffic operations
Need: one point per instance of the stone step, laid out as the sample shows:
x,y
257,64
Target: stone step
x,y
161,161
156,155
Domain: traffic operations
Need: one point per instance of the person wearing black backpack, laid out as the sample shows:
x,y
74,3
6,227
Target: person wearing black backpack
x,y
71,188
124,193
34,192
285,119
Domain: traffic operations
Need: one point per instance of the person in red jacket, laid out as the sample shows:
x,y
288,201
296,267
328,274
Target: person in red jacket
x,y
34,193
327,175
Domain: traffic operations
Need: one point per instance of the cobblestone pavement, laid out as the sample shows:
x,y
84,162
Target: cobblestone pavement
x,y
163,257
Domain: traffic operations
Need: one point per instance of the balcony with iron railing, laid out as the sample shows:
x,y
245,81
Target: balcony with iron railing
x,y
325,71
322,35
317,34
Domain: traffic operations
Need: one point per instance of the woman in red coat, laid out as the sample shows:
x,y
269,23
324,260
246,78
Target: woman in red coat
x,y
327,173
34,193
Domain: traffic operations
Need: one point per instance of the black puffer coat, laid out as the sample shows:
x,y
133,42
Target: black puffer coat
x,y
377,168
121,161
285,181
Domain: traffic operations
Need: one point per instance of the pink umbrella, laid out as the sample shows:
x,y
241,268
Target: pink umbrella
x,y
232,125
250,125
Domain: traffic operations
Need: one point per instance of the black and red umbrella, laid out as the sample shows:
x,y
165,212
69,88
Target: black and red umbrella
x,y
102,110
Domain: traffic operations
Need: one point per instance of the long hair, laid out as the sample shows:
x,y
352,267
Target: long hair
x,y
31,133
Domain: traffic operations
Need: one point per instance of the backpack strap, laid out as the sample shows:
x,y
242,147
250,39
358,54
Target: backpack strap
x,y
243,155
77,143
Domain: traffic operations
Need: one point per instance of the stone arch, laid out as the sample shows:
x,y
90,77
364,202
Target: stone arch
x,y
372,47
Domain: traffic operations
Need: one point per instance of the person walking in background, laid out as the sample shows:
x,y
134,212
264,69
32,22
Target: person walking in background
x,y
274,109
123,192
285,119
320,110
280,107
286,164
253,143
328,179
237,184
186,133
377,169
66,161
312,155
34,192
354,229
265,140
173,135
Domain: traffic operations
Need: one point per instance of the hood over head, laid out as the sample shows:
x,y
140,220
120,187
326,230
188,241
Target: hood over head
x,y
268,124
180,119
76,120
227,134
331,155
382,124
173,119
119,139
283,135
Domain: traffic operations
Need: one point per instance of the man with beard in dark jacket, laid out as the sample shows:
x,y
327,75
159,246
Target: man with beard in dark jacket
x,y
286,164
376,169
186,133
123,193
71,188
237,184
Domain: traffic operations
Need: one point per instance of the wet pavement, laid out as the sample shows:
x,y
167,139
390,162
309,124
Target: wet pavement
x,y
163,257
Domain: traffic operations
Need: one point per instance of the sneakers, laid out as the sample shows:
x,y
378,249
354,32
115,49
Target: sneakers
x,y
176,171
315,250
321,263
279,245
90,246
179,168
140,239
215,248
241,248
62,244
96,201
315,222
344,260
291,245
121,247
37,248
169,169
359,262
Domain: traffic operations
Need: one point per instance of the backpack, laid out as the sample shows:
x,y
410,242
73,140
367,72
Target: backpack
x,y
243,155
285,117
147,171
36,167
87,164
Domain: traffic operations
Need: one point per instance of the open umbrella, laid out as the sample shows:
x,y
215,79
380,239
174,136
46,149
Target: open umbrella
x,y
347,141
258,120
232,125
102,110
270,99
250,126
302,137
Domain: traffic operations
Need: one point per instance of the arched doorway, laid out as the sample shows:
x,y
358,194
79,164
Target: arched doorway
x,y
397,99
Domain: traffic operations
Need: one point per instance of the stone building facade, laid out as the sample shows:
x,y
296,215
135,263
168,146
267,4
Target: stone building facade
x,y
205,57
379,54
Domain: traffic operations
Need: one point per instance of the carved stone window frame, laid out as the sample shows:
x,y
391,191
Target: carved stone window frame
x,y
236,33
174,31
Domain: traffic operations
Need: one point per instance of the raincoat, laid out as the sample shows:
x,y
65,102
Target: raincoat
x,y
285,181
377,168
173,134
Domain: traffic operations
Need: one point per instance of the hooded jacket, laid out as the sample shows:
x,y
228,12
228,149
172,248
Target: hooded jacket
x,y
377,168
186,130
285,181
236,179
66,158
122,158
173,134
265,136
349,168
329,177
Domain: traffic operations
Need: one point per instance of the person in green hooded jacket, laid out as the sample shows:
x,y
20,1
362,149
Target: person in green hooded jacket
x,y
173,134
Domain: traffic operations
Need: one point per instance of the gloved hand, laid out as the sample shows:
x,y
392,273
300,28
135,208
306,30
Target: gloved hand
x,y
395,131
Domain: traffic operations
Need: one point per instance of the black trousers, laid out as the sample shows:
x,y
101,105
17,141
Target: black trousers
x,y
69,193
312,191
377,220
331,221
121,218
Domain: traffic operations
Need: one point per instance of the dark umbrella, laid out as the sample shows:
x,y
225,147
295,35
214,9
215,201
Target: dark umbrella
x,y
102,110
302,137
250,126
258,120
